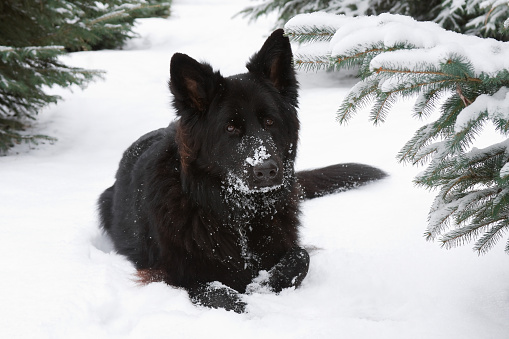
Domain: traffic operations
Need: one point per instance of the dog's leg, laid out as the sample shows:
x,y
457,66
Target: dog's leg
x,y
288,272
217,295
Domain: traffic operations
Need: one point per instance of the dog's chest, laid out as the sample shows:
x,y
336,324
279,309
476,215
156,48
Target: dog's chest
x,y
254,239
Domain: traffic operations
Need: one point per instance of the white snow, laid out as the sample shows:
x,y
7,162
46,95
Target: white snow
x,y
260,154
372,274
235,184
496,106
433,42
504,172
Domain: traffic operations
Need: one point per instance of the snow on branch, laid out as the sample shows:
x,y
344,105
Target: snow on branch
x,y
432,43
464,78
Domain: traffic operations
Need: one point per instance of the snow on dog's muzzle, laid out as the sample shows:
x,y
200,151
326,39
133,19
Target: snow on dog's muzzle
x,y
260,169
265,170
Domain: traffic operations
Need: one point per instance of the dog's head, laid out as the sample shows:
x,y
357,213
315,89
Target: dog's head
x,y
242,129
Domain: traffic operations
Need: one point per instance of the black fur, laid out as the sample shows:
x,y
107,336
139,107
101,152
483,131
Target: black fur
x,y
336,178
213,200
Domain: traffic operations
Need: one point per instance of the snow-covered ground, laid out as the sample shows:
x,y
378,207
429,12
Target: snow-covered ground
x,y
372,276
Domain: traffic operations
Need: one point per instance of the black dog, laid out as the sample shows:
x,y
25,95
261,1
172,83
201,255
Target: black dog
x,y
213,199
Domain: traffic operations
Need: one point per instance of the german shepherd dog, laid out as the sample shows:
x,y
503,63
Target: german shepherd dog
x,y
211,202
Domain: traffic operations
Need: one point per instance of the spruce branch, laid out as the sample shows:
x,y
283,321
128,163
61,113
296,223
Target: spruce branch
x,y
491,237
34,37
473,200
310,34
427,102
465,100
359,97
312,62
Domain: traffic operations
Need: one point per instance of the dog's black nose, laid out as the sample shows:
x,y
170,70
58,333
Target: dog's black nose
x,y
266,171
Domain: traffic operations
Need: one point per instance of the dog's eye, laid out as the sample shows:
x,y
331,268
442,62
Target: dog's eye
x,y
230,128
269,122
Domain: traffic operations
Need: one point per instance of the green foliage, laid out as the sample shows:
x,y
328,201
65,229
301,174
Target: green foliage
x,y
111,25
24,74
76,25
285,8
484,18
312,34
36,33
473,184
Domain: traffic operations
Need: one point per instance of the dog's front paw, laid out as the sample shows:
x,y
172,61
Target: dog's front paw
x,y
288,272
217,295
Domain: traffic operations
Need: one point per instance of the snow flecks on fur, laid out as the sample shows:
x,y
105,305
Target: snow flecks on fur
x,y
260,149
236,183
247,202
259,156
290,150
249,257
256,151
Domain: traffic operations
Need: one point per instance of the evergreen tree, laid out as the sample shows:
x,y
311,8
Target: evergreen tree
x,y
36,33
287,9
465,78
477,17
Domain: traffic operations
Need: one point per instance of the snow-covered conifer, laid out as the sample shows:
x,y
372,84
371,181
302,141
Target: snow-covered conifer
x,y
486,18
36,33
464,77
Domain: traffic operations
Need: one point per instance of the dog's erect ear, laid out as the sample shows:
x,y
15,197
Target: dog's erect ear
x,y
193,84
274,62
